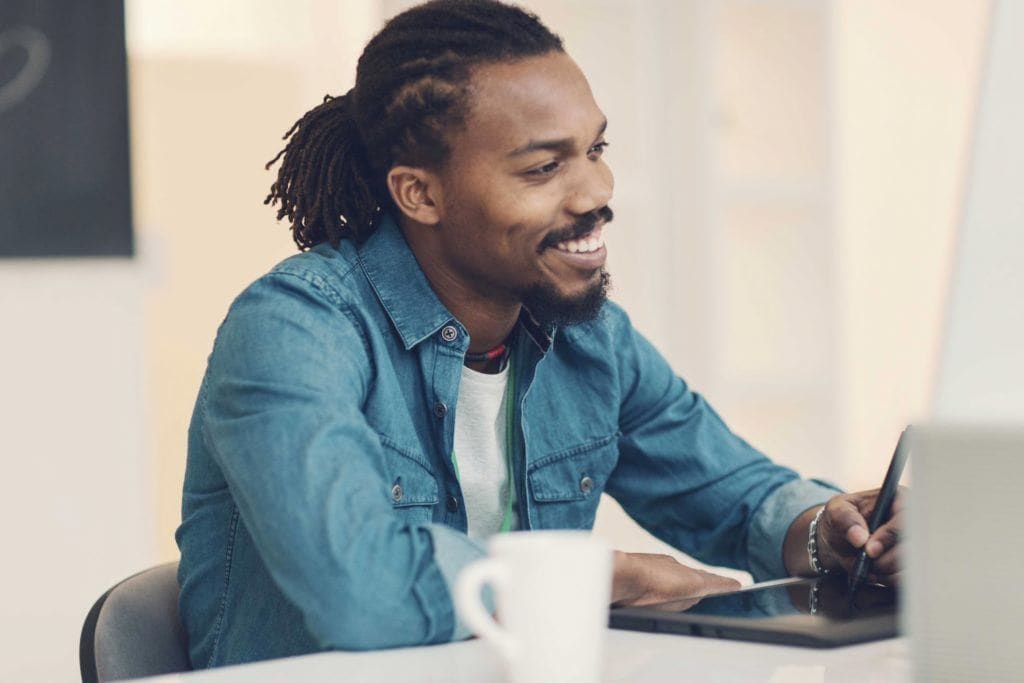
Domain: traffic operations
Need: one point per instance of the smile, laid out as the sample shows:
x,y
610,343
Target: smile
x,y
589,243
584,254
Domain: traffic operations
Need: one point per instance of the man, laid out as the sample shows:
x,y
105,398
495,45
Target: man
x,y
440,365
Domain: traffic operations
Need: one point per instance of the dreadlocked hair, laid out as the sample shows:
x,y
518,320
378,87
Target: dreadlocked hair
x,y
412,89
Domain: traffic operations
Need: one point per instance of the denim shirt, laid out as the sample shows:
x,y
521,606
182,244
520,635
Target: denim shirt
x,y
321,509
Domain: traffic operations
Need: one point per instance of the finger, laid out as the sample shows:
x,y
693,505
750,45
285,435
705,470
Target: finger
x,y
884,579
680,605
885,537
865,501
715,583
847,520
888,563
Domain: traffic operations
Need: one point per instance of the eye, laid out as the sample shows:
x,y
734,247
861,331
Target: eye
x,y
597,150
546,169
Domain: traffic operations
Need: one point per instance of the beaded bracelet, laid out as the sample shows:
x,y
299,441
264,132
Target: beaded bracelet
x,y
812,546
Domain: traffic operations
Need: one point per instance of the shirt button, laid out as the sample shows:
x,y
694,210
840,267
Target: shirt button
x,y
586,484
397,493
449,333
452,504
440,410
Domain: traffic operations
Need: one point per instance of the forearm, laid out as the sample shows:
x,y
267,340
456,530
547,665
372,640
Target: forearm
x,y
626,585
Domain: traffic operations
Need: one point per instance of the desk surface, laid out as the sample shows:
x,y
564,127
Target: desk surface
x,y
631,656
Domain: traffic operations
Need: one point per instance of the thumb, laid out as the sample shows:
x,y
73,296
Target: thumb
x,y
847,522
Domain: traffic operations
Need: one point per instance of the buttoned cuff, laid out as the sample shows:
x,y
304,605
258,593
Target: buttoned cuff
x,y
772,520
453,550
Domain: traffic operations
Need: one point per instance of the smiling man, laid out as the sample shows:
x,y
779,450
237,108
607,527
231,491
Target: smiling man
x,y
440,364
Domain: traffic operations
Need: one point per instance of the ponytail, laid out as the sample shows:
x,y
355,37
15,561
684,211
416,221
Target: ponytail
x,y
325,182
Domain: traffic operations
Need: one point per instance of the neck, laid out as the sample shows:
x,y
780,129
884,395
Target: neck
x,y
489,325
490,320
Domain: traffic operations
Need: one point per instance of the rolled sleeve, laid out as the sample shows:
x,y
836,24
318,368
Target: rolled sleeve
x,y
689,480
773,518
453,550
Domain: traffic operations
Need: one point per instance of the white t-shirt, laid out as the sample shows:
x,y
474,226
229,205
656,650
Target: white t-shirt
x,y
480,450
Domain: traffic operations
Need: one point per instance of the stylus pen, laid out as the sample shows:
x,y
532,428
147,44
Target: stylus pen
x,y
883,506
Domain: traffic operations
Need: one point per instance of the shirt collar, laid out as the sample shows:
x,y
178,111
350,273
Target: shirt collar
x,y
541,335
406,294
403,289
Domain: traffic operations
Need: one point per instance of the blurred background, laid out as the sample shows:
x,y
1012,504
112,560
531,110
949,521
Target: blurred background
x,y
789,180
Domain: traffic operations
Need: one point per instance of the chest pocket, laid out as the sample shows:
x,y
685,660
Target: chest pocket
x,y
566,487
411,486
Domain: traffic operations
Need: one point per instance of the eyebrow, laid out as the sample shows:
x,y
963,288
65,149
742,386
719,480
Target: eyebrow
x,y
560,145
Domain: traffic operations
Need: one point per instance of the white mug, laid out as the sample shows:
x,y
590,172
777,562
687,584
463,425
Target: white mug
x,y
552,590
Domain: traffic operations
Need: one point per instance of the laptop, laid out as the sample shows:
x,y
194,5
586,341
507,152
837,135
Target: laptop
x,y
965,544
815,612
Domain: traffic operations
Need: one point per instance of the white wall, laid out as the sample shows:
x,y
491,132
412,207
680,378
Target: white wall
x,y
77,512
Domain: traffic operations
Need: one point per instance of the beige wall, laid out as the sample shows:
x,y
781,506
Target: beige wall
x,y
208,114
203,130
213,88
907,77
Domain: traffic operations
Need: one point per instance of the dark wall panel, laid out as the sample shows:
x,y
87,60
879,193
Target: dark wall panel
x,y
64,165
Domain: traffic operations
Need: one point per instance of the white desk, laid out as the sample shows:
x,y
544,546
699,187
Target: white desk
x,y
631,656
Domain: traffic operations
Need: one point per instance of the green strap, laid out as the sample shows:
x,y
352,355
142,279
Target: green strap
x,y
455,464
510,441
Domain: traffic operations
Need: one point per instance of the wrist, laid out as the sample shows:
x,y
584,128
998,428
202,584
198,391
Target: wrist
x,y
794,549
623,578
817,549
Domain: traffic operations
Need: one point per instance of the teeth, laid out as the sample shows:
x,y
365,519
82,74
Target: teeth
x,y
583,246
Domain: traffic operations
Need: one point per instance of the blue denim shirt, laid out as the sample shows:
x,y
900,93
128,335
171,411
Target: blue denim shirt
x,y
321,509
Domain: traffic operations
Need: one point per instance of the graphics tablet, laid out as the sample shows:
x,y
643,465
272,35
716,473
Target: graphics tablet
x,y
806,612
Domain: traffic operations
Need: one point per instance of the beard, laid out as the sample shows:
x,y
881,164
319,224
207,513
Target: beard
x,y
549,307
546,304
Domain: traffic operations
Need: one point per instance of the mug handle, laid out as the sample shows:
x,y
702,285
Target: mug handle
x,y
470,605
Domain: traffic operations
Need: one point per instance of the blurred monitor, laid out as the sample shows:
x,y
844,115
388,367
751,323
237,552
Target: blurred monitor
x,y
963,601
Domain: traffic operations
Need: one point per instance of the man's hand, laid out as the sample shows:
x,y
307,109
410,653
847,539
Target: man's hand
x,y
843,533
644,579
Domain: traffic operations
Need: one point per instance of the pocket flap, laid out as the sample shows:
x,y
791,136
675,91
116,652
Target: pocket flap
x,y
574,474
411,481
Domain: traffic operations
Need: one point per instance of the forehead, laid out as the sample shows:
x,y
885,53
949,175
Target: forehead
x,y
538,98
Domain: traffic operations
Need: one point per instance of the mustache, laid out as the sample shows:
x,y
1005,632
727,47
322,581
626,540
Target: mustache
x,y
582,226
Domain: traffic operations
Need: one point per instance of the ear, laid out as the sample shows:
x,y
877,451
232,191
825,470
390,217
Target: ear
x,y
416,193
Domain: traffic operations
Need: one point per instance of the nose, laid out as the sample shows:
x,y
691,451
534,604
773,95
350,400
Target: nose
x,y
591,189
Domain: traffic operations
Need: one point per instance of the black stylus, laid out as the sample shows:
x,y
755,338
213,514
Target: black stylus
x,y
883,506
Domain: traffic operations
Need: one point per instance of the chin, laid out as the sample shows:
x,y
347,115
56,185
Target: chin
x,y
549,306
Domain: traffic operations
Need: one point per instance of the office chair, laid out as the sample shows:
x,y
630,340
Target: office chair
x,y
134,629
